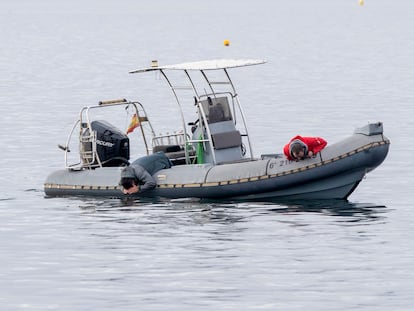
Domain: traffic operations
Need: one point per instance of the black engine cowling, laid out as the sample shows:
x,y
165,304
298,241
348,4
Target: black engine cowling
x,y
112,145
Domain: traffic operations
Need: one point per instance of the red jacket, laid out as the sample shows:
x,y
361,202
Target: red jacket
x,y
314,144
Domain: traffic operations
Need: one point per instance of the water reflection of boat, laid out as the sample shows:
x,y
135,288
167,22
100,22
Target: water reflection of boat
x,y
342,208
213,157
190,212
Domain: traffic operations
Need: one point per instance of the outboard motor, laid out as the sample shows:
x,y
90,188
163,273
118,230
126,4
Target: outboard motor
x,y
112,145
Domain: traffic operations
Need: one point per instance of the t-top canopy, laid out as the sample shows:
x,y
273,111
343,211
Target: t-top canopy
x,y
205,65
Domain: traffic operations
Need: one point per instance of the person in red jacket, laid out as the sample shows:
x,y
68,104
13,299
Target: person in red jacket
x,y
300,148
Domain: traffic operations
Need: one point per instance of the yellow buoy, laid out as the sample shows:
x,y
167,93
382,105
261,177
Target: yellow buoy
x,y
361,2
226,42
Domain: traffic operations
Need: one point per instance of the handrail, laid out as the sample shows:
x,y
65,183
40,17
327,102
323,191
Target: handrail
x,y
90,158
112,101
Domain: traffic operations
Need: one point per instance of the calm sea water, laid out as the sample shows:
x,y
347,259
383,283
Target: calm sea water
x,y
332,66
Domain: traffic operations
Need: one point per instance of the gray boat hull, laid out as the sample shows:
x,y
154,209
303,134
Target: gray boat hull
x,y
334,173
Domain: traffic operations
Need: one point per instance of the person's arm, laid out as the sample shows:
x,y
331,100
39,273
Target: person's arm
x,y
316,145
287,153
148,182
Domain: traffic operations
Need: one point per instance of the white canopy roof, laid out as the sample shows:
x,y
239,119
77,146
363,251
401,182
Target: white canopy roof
x,y
205,65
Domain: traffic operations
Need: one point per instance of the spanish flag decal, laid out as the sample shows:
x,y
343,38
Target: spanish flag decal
x,y
133,124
